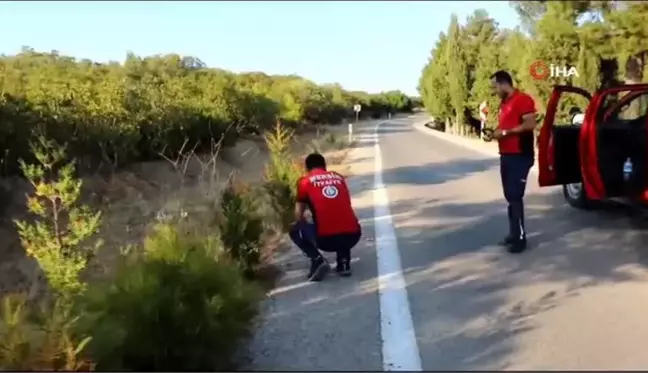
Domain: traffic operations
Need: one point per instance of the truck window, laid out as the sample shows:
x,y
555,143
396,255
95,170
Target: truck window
x,y
633,110
570,109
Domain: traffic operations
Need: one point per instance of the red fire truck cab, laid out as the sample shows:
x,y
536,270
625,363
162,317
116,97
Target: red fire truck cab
x,y
587,157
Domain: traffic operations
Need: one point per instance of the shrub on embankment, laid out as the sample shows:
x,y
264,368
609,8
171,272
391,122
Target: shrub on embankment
x,y
183,300
113,114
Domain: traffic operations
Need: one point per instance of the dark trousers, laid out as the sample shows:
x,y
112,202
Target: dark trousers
x,y
304,235
514,169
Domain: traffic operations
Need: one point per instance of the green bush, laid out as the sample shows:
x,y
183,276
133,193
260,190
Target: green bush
x,y
329,141
281,174
182,306
40,338
241,226
115,114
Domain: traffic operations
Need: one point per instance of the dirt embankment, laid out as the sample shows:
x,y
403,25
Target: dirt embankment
x,y
135,198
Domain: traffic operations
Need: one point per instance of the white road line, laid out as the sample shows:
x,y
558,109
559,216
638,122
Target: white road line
x,y
400,351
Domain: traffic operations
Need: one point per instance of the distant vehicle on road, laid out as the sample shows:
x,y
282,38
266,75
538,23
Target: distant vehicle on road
x,y
601,155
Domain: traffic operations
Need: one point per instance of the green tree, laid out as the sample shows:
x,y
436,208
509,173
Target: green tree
x,y
481,91
557,43
605,40
628,31
478,33
433,85
58,241
588,67
457,76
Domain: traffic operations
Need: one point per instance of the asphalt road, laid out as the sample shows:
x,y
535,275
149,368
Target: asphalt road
x,y
577,299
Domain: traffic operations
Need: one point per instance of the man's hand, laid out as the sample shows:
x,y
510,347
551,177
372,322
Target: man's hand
x,y
497,134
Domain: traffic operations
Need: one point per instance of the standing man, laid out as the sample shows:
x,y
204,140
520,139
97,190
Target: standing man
x,y
335,227
516,147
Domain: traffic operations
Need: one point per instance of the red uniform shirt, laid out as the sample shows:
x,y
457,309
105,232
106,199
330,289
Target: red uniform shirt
x,y
328,198
510,116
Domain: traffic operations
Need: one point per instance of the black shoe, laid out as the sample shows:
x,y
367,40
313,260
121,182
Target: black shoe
x,y
516,247
343,268
507,241
318,269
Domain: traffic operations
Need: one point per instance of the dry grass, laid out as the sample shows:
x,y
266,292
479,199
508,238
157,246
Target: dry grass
x,y
135,198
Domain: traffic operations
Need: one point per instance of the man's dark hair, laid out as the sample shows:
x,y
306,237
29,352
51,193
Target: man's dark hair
x,y
315,160
502,77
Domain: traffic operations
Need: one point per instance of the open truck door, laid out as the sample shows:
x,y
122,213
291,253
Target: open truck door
x,y
559,147
618,131
594,152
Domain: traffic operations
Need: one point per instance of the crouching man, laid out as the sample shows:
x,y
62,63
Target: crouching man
x,y
334,226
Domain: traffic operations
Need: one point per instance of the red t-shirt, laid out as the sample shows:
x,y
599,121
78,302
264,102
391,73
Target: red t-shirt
x,y
510,116
328,198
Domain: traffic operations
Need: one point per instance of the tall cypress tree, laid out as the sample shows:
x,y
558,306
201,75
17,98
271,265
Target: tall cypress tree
x,y
457,82
588,66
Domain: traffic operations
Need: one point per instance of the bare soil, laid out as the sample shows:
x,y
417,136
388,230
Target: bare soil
x,y
135,198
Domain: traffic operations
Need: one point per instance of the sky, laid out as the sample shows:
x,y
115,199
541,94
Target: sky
x,y
364,45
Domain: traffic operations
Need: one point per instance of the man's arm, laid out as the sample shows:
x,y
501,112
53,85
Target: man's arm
x,y
528,111
302,197
300,208
528,124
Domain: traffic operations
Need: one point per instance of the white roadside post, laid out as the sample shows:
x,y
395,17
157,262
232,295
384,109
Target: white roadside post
x,y
357,109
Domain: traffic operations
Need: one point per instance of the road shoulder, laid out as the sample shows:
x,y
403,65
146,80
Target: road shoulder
x,y
485,148
332,325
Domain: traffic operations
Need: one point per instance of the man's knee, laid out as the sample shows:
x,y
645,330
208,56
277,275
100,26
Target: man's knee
x,y
354,239
338,242
507,194
516,202
349,241
300,232
515,187
295,234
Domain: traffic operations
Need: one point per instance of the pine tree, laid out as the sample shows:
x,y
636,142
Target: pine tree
x,y
58,240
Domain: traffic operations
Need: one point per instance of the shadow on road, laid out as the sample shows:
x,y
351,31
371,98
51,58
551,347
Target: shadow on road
x,y
431,173
464,281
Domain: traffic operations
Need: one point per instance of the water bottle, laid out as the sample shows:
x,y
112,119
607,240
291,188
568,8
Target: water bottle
x,y
627,170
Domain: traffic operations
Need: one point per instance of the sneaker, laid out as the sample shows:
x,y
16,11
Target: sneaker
x,y
319,268
343,268
516,247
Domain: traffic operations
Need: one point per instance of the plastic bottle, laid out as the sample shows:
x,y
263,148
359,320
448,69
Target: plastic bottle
x,y
627,169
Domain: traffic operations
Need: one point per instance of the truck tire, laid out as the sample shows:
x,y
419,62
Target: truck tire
x,y
638,218
576,197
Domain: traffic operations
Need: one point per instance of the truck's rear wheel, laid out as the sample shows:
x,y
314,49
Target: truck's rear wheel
x,y
576,197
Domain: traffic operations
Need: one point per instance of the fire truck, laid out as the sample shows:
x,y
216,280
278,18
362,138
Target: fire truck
x,y
601,155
